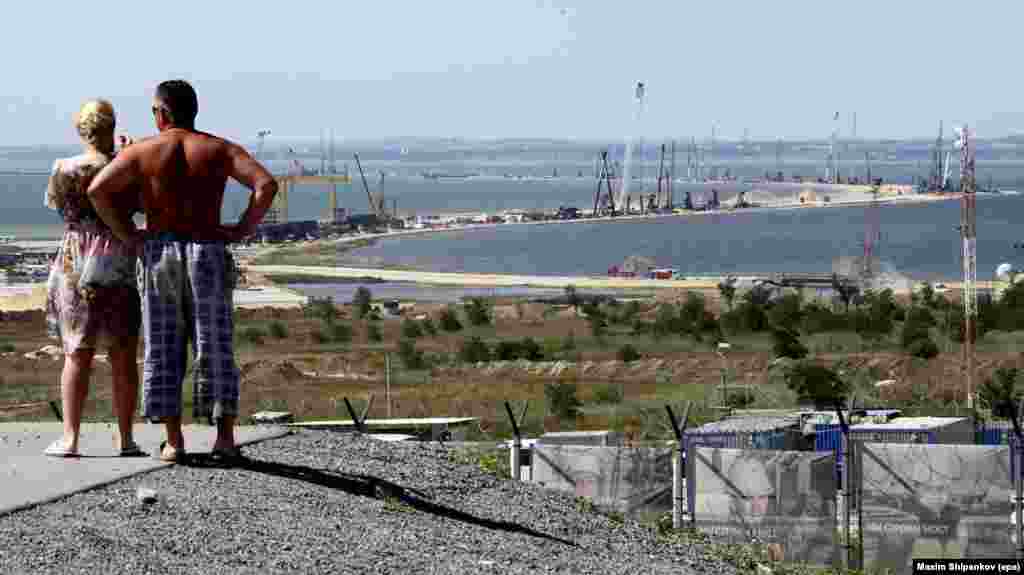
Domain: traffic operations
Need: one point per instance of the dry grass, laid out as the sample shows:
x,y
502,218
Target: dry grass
x,y
302,376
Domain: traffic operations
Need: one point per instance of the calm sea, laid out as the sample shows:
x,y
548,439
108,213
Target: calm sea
x,y
918,240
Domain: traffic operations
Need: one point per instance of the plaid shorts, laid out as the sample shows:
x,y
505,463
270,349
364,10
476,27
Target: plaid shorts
x,y
186,289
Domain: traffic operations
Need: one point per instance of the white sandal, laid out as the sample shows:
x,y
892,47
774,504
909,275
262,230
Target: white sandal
x,y
57,449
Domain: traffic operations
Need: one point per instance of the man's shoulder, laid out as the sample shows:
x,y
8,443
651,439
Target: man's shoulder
x,y
212,139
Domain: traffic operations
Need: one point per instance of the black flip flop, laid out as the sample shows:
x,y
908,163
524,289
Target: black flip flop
x,y
227,455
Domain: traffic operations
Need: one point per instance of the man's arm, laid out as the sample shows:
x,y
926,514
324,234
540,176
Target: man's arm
x,y
251,174
113,186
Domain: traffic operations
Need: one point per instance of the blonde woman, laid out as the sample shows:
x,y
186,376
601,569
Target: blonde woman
x,y
92,294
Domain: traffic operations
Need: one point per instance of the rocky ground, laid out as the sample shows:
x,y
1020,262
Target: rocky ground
x,y
319,502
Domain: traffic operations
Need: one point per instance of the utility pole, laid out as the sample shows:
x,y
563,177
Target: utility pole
x,y
967,227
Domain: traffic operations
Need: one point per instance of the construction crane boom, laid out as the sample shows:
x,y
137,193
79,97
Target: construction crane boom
x,y
369,196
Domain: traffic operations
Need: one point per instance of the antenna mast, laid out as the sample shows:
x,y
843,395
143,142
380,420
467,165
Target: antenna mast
x,y
967,230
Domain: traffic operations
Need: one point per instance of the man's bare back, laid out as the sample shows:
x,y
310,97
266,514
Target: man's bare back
x,y
183,178
181,175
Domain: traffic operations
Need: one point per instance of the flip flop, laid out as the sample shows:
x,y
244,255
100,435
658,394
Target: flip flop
x,y
57,449
227,454
132,450
178,457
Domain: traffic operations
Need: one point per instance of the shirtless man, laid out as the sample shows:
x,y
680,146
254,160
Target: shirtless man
x,y
187,273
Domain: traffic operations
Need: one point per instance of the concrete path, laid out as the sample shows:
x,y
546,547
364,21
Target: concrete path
x,y
30,478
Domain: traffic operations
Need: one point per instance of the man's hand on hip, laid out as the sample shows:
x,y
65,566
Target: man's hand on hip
x,y
234,233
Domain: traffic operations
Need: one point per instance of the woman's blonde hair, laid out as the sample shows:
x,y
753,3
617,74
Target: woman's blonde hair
x,y
95,123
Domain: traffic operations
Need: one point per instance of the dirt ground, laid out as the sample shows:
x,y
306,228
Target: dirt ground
x,y
311,379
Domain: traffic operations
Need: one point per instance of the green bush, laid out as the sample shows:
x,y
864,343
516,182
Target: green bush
x,y
449,320
598,328
253,334
361,302
815,382
477,312
923,348
628,354
474,350
412,358
641,327
819,319
550,346
1000,394
562,400
508,351
915,338
373,334
6,347
318,336
786,343
569,341
666,321
341,332
610,393
428,327
693,316
739,399
278,330
786,312
411,329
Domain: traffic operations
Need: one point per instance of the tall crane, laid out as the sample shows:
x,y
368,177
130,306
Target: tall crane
x,y
638,107
970,262
374,207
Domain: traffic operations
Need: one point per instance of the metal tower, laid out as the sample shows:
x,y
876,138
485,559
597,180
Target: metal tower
x,y
967,231
628,159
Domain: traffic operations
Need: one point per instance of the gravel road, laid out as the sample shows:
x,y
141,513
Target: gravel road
x,y
321,502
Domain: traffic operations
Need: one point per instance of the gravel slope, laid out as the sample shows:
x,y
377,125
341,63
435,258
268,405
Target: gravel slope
x,y
318,502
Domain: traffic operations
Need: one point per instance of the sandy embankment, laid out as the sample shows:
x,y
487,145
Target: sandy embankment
x,y
509,280
485,280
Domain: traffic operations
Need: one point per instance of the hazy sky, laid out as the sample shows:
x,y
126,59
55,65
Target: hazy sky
x,y
519,68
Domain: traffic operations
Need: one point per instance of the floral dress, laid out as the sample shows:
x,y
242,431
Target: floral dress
x,y
92,295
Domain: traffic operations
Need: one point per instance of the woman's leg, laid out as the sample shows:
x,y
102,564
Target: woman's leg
x,y
74,385
126,385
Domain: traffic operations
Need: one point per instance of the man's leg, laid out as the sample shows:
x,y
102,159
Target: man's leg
x,y
163,291
211,277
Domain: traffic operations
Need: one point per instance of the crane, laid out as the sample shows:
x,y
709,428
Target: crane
x,y
374,208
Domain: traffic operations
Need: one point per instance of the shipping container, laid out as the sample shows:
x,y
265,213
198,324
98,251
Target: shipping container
x,y
750,433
